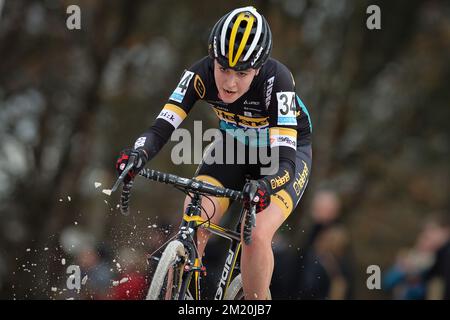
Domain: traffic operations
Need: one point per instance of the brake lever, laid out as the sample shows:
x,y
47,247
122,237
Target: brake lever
x,y
124,173
252,193
253,216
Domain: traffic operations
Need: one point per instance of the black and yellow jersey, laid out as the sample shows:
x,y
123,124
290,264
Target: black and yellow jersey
x,y
270,108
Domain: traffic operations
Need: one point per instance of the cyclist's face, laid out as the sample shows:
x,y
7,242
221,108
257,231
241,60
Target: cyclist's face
x,y
232,84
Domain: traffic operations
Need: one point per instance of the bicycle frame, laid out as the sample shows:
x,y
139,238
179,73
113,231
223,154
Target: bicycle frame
x,y
192,220
189,263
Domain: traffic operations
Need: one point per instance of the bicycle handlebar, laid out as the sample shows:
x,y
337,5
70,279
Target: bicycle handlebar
x,y
189,185
125,198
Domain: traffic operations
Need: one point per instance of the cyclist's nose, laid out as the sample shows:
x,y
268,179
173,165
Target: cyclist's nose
x,y
230,81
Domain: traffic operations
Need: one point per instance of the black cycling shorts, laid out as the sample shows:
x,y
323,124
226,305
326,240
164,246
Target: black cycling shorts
x,y
232,174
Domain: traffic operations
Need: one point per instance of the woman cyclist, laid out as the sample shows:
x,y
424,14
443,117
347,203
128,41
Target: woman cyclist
x,y
254,98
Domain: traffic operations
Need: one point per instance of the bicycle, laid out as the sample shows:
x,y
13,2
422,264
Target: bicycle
x,y
179,262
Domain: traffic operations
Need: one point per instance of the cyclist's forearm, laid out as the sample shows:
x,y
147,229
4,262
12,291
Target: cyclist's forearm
x,y
154,138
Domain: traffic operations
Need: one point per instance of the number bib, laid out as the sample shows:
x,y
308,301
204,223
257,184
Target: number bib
x,y
286,108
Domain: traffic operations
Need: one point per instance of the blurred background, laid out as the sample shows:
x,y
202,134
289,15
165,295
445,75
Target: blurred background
x,y
70,100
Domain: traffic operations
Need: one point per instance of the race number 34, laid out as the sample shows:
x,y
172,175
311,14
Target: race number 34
x,y
286,108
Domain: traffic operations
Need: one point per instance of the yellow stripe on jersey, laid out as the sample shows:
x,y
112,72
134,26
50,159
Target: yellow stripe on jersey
x,y
279,131
174,108
172,114
242,17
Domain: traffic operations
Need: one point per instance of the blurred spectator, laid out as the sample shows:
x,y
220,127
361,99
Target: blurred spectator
x,y
438,277
327,271
132,283
409,277
326,266
96,272
283,273
326,208
406,277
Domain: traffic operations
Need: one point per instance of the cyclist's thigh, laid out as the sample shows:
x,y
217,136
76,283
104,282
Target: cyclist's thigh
x,y
288,198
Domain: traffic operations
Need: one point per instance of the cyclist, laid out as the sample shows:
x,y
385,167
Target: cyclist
x,y
250,93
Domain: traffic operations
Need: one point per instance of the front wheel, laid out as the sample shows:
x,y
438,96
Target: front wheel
x,y
236,291
166,280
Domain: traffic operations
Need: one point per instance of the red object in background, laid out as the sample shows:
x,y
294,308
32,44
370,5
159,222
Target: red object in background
x,y
133,289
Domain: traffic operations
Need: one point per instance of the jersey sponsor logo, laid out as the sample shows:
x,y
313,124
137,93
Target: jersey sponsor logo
x,y
282,200
180,91
286,140
301,179
287,110
269,89
241,120
215,46
257,56
199,86
140,142
223,108
169,116
172,114
257,113
280,181
282,141
254,103
218,104
283,137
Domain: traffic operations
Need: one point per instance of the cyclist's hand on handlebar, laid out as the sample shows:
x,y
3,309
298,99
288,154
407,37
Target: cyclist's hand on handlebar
x,y
139,162
261,198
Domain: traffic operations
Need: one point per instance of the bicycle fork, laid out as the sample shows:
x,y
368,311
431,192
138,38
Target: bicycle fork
x,y
188,236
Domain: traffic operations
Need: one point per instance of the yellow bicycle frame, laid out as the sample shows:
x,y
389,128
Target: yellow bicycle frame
x,y
233,251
